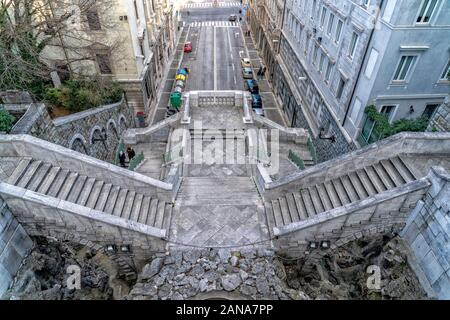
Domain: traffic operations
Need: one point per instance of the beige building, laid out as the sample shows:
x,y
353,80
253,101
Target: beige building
x,y
128,40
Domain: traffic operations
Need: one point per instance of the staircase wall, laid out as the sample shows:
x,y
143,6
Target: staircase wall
x,y
402,143
386,211
15,244
427,234
42,215
28,146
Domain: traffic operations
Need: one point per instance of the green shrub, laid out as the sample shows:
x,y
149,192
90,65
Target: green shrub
x,y
6,121
79,95
384,129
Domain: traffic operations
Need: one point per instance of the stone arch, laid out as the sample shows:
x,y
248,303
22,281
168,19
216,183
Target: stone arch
x,y
112,137
98,143
111,126
78,143
122,123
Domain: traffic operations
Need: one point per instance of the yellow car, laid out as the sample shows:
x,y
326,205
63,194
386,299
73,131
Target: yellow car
x,y
246,63
180,77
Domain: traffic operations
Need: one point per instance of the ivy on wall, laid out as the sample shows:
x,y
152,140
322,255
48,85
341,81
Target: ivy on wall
x,y
383,129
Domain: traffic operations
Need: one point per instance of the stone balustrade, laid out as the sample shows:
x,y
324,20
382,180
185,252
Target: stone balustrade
x,y
402,143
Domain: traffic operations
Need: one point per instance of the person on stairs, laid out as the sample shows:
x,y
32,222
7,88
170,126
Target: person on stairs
x,y
122,159
130,153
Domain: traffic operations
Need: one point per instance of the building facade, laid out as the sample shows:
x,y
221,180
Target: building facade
x,y
130,41
265,19
337,57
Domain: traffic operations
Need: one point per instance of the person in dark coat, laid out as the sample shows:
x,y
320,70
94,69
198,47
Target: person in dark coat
x,y
122,159
130,153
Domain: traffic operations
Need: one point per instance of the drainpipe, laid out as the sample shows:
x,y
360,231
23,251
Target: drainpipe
x,y
347,111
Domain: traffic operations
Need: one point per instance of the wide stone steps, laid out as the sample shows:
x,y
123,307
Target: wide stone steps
x,y
66,185
354,186
234,190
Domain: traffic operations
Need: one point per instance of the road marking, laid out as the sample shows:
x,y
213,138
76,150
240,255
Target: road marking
x,y
214,23
215,69
231,55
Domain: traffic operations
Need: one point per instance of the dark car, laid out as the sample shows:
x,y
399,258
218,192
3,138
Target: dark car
x,y
252,86
232,17
256,101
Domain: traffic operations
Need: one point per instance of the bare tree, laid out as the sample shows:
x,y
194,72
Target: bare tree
x,y
41,36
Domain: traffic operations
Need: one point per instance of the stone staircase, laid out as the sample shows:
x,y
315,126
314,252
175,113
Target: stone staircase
x,y
54,181
218,191
354,186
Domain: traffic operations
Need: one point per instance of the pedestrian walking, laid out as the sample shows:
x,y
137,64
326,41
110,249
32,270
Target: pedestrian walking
x,y
130,153
263,72
122,159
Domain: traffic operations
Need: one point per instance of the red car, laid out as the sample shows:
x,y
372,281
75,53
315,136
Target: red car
x,y
188,47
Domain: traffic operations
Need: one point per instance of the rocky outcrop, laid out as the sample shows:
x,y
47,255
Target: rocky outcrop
x,y
255,274
342,273
43,276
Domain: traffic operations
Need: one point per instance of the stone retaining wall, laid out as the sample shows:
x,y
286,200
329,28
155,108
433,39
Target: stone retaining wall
x,y
427,234
440,121
14,246
42,215
95,132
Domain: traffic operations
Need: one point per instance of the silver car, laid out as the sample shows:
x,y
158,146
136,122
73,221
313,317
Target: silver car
x,y
247,73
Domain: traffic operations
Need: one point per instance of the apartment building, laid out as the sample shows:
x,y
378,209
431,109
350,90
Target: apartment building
x,y
265,19
129,40
337,57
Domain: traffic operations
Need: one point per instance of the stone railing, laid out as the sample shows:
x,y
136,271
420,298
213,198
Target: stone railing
x,y
41,215
28,146
340,225
297,135
138,135
402,143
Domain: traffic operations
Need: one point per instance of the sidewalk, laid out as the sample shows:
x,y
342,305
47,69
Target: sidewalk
x,y
168,81
271,106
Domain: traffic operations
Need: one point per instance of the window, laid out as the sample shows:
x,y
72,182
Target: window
x,y
404,67
371,63
93,20
446,73
353,43
321,62
337,35
314,58
388,111
426,11
313,9
322,18
429,110
328,72
104,63
340,88
330,23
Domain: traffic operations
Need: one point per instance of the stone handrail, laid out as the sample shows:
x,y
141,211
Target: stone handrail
x,y
300,133
86,113
402,143
29,146
136,135
24,124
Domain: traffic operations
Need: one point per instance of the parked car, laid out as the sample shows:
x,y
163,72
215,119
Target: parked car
x,y
246,63
247,73
232,17
188,47
180,77
259,111
256,101
252,86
